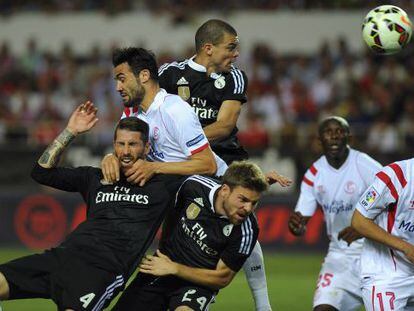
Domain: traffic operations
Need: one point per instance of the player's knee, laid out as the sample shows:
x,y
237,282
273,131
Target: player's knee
x,y
183,308
4,287
324,308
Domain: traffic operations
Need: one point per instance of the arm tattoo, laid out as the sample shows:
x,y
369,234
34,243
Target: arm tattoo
x,y
51,155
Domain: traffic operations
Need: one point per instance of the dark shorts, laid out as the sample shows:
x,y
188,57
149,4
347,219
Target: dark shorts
x,y
59,275
148,292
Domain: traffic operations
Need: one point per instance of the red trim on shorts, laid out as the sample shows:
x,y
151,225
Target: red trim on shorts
x,y
313,170
373,298
387,181
400,174
199,149
307,181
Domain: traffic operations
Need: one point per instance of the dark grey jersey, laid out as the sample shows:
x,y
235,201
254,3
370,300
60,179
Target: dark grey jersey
x,y
206,95
199,236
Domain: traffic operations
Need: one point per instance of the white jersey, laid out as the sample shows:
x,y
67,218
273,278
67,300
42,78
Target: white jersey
x,y
390,201
337,191
175,131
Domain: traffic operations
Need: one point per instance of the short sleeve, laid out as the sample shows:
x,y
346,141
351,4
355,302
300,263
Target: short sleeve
x,y
241,245
367,168
166,77
187,128
235,86
378,197
307,203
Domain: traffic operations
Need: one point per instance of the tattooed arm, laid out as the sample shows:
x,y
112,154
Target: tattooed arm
x,y
81,120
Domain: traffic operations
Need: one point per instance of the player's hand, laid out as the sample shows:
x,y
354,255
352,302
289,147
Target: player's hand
x,y
141,171
110,168
349,235
158,265
274,177
83,118
297,224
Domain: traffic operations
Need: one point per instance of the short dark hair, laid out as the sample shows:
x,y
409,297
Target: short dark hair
x,y
138,59
245,174
133,124
212,32
341,121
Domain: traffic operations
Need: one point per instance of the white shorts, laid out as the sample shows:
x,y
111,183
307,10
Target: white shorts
x,y
339,283
383,294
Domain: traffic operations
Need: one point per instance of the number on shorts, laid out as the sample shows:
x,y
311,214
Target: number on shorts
x,y
391,300
86,299
188,293
324,280
200,300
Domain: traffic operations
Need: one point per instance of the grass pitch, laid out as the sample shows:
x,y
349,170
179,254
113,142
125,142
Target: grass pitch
x,y
291,280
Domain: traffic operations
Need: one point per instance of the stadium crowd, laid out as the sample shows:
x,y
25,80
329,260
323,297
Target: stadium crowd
x,y
287,95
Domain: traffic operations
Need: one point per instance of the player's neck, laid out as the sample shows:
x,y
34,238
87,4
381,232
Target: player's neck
x,y
205,61
219,204
149,97
336,162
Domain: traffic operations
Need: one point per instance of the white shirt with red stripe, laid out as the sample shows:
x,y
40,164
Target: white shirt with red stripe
x,y
390,202
175,131
337,191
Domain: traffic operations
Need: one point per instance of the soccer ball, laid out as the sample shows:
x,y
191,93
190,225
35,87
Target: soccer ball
x,y
386,29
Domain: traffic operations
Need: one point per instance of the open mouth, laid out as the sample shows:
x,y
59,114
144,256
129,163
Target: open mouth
x,y
126,161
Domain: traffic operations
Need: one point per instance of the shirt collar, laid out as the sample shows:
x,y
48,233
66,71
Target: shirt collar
x,y
158,100
211,197
201,68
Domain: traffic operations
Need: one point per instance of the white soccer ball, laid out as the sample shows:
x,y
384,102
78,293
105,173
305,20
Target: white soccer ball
x,y
386,29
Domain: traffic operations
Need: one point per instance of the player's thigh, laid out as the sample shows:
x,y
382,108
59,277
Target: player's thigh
x,y
193,297
145,292
338,285
388,294
81,286
28,277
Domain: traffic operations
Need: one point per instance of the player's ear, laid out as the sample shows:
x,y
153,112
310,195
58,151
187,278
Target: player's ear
x,y
144,75
225,190
208,48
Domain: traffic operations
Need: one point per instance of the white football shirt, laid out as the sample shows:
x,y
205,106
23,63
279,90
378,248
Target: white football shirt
x,y
390,202
175,131
337,191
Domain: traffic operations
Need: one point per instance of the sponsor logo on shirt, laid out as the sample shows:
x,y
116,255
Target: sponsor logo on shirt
x,y
337,207
196,232
369,198
406,226
195,141
192,211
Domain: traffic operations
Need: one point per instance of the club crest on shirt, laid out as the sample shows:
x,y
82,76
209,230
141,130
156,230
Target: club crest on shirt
x,y
220,83
350,187
369,198
227,229
192,211
156,133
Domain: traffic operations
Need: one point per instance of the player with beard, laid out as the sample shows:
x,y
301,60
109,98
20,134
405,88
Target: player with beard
x,y
335,182
216,89
92,264
210,235
178,144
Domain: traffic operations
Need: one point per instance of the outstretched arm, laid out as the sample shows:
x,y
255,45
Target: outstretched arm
x,y
81,120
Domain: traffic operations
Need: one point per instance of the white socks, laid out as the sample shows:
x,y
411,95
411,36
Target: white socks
x,y
256,277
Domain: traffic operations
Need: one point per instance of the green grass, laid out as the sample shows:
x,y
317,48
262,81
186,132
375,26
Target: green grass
x,y
291,280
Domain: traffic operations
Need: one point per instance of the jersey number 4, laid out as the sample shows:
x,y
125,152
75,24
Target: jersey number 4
x,y
86,299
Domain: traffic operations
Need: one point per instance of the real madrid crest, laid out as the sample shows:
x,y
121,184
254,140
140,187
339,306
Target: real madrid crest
x,y
220,83
192,211
227,229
